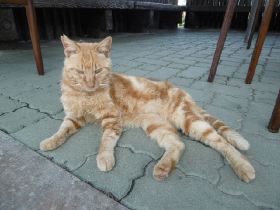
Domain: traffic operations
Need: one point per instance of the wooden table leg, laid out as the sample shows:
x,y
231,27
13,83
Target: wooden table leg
x,y
222,39
31,17
269,7
274,123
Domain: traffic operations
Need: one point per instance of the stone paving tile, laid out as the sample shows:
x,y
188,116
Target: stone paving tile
x,y
137,72
18,89
222,89
152,61
201,64
177,66
184,61
200,161
31,135
59,116
149,67
74,152
118,181
179,191
14,121
274,80
265,97
179,81
9,105
193,72
269,74
43,100
163,73
260,192
258,86
257,118
225,70
231,103
120,69
267,155
199,95
138,141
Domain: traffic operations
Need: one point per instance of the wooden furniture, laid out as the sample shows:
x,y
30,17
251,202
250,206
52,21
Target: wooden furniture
x,y
209,14
222,39
32,23
274,123
254,16
96,18
270,4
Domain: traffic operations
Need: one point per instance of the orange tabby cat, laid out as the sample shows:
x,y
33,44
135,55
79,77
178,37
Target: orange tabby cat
x,y
91,93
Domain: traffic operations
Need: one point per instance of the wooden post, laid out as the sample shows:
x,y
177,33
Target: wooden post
x,y
57,23
48,26
222,39
274,123
151,19
269,7
109,19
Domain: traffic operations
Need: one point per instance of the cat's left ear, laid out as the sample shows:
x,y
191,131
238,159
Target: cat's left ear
x,y
104,46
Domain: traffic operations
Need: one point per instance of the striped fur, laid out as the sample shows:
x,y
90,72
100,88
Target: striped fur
x,y
93,95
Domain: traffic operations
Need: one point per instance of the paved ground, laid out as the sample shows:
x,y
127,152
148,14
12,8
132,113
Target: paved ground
x,y
30,111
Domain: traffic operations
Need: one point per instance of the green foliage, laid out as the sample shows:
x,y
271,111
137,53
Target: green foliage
x,y
183,23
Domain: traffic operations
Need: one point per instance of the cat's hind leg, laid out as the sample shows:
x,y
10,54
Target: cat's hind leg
x,y
166,136
204,132
67,128
230,135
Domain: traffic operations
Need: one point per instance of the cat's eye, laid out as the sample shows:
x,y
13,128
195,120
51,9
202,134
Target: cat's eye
x,y
98,71
79,71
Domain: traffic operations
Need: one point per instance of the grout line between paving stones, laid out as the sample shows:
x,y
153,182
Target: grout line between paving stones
x,y
137,178
83,162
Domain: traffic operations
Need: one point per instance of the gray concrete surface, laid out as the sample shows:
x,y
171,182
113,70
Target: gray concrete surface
x,y
30,181
30,111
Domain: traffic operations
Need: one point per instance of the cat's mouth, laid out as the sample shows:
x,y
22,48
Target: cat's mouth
x,y
92,89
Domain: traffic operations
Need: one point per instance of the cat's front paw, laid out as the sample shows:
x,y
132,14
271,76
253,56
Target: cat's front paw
x,y
48,144
105,161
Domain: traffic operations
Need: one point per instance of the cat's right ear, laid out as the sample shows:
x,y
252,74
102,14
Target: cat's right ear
x,y
70,47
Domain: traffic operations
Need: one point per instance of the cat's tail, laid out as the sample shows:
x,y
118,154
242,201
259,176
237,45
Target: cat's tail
x,y
230,135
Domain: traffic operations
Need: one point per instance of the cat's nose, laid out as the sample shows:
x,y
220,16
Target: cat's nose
x,y
90,84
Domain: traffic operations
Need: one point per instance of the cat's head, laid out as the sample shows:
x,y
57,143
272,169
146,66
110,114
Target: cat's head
x,y
86,65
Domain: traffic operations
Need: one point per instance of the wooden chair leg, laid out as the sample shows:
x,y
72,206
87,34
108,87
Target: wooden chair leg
x,y
274,123
31,17
222,39
269,7
252,22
